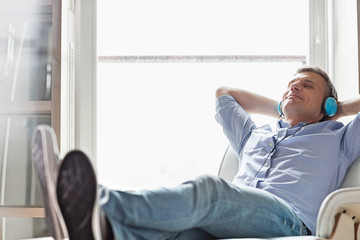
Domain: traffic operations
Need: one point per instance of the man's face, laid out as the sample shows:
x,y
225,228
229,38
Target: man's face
x,y
304,96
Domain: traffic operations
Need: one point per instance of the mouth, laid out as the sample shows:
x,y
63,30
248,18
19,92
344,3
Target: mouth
x,y
294,95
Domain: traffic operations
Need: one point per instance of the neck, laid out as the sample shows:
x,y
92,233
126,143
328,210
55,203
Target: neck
x,y
293,122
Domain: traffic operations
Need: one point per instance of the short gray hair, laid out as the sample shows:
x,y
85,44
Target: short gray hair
x,y
315,69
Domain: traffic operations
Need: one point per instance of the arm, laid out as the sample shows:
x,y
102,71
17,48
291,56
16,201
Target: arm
x,y
251,102
347,108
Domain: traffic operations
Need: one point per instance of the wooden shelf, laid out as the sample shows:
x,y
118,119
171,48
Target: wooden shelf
x,y
22,212
26,108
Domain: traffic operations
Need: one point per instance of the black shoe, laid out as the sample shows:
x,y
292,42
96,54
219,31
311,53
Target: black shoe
x,y
77,196
46,160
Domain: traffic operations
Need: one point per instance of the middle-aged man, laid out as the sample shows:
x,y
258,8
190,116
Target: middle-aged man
x,y
284,174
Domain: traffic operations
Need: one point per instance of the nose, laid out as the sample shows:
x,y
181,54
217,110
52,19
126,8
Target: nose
x,y
295,86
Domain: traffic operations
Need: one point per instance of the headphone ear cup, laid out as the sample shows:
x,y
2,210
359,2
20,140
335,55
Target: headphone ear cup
x,y
279,109
330,106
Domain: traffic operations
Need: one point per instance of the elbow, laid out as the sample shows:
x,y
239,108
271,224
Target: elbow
x,y
222,91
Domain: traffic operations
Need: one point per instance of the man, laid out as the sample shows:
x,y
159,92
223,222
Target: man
x,y
283,177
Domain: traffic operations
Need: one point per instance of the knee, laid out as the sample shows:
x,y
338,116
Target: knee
x,y
209,184
208,178
208,190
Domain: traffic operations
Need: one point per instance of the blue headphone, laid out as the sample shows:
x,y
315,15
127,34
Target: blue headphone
x,y
328,107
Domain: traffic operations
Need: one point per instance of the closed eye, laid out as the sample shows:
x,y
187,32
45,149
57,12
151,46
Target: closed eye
x,y
308,86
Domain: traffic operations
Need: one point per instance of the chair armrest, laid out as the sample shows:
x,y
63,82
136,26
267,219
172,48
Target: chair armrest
x,y
344,200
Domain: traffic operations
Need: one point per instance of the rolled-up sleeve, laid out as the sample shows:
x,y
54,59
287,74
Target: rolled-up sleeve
x,y
235,121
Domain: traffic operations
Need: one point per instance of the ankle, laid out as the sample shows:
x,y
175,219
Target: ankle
x,y
105,227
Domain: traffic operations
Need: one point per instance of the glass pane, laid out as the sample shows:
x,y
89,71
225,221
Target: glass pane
x,y
25,50
156,123
202,27
23,228
17,179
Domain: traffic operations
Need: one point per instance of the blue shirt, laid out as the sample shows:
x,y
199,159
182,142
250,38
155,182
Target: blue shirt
x,y
300,164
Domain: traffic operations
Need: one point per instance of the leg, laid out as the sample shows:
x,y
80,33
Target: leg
x,y
208,207
209,204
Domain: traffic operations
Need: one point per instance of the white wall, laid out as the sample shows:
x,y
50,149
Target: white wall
x,y
345,48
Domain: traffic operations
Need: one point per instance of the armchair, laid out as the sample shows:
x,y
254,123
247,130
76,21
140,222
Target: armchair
x,y
339,215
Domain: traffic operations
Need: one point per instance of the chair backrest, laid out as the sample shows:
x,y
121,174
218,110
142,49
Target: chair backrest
x,y
230,166
352,177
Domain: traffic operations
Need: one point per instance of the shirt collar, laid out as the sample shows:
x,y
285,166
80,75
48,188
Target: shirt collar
x,y
282,124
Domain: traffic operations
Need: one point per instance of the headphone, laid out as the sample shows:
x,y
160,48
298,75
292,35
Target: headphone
x,y
328,107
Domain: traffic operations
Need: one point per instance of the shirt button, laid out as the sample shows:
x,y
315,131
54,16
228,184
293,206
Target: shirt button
x,y
270,144
266,164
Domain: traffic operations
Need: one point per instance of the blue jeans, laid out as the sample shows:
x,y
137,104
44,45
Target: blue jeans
x,y
205,208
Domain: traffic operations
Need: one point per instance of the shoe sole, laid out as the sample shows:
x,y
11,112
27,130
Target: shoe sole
x,y
77,194
45,160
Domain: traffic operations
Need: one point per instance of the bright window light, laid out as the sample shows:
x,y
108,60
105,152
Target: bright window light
x,y
156,124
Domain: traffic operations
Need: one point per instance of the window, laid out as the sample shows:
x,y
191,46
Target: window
x,y
160,63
